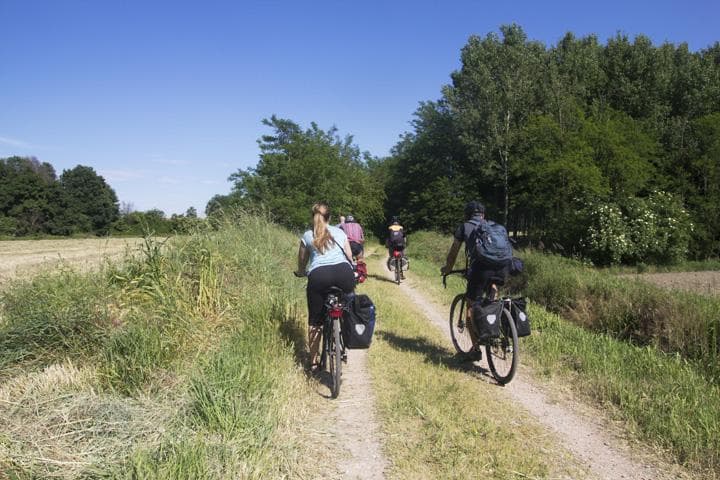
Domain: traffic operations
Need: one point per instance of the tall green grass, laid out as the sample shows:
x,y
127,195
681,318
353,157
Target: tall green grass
x,y
666,399
673,321
199,333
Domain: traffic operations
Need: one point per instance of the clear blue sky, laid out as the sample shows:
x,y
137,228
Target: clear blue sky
x,y
165,98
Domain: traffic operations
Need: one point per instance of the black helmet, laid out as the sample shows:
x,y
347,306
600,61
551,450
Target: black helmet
x,y
349,219
394,219
474,208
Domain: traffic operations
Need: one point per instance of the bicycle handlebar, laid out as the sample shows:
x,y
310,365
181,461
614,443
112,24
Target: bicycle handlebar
x,y
451,272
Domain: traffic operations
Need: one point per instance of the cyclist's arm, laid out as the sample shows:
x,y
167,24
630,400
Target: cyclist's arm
x,y
452,256
302,259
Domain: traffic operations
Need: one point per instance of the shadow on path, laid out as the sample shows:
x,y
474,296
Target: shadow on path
x,y
437,355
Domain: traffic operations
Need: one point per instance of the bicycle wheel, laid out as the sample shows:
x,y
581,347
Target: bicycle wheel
x,y
502,353
335,359
398,270
459,331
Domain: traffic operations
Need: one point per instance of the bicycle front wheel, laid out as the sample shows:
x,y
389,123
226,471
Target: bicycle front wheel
x,y
459,329
335,359
502,353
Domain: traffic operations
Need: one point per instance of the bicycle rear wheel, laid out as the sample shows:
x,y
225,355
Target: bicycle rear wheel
x,y
502,353
459,331
335,359
398,270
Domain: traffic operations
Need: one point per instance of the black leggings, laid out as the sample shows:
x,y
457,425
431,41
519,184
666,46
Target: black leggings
x,y
319,282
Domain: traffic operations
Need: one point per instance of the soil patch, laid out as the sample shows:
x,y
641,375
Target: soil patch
x,y
706,283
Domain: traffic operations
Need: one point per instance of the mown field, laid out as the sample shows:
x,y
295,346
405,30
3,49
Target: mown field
x,y
27,257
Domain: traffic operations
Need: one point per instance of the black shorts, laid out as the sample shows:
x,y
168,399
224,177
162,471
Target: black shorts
x,y
319,282
479,279
356,248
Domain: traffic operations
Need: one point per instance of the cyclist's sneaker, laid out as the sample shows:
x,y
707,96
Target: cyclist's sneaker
x,y
390,264
344,357
474,355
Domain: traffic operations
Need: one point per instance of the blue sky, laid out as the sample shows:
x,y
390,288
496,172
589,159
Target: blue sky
x,y
165,98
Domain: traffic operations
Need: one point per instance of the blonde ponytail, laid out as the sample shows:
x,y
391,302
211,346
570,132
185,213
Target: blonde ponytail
x,y
322,238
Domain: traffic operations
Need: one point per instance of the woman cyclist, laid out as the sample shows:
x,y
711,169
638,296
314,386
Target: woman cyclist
x,y
323,255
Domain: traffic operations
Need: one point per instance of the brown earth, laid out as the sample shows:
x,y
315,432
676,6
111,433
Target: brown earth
x,y
23,257
707,283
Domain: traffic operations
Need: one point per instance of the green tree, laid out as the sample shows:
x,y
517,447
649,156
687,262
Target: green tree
x,y
494,93
90,200
297,168
27,194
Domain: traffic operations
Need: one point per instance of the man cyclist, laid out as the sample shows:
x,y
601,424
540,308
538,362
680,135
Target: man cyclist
x,y
355,235
479,276
396,239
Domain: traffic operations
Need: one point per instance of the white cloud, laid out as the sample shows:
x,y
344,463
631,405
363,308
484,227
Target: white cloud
x,y
13,142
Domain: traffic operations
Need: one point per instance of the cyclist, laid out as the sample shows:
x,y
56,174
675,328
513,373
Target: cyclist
x,y
396,239
355,235
323,255
479,276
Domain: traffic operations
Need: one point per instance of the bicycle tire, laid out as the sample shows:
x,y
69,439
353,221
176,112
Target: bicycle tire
x,y
459,331
502,353
398,270
335,359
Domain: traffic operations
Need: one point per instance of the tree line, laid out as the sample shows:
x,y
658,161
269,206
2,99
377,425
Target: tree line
x,y
610,152
35,201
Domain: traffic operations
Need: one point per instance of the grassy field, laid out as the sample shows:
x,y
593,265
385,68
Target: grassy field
x,y
20,258
182,362
664,400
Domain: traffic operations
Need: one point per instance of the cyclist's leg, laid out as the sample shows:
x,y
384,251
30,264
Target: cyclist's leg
x,y
315,300
473,293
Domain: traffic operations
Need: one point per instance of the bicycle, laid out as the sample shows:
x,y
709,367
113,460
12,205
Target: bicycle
x,y
502,352
333,352
398,263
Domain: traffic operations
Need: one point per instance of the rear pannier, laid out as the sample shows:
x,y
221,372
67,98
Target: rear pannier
x,y
358,323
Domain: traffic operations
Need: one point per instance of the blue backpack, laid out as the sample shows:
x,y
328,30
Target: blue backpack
x,y
489,245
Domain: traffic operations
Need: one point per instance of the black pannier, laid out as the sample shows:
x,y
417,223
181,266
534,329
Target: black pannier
x,y
519,315
486,320
358,322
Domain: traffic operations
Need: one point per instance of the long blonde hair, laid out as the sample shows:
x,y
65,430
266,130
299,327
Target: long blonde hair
x,y
322,238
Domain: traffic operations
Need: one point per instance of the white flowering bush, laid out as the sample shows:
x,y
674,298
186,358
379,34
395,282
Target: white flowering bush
x,y
654,229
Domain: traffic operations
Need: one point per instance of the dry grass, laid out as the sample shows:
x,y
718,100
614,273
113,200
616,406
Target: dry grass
x,y
54,424
22,257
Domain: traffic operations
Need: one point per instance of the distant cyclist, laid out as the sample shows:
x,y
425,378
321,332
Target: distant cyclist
x,y
356,236
324,252
396,239
479,275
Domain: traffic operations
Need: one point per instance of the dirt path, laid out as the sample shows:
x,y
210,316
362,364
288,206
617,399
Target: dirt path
x,y
356,429
595,442
356,425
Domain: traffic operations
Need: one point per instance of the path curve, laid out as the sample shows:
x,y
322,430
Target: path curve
x,y
584,433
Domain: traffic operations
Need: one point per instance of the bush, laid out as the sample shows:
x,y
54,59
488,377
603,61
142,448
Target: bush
x,y
656,229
